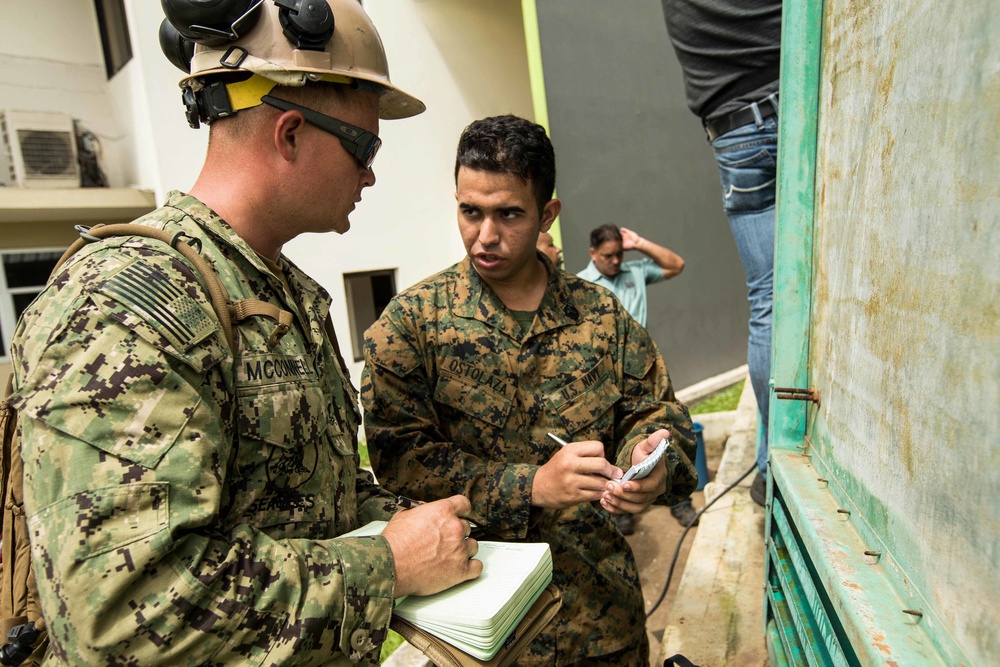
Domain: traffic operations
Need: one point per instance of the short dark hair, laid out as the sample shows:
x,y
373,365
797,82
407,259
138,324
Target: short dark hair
x,y
603,234
510,145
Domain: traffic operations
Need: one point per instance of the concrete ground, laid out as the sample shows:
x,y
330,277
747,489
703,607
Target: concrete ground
x,y
716,619
712,612
658,532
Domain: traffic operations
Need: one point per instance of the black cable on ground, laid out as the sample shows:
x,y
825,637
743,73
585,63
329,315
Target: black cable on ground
x,y
677,551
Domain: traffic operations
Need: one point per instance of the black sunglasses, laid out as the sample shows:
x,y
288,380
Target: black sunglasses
x,y
362,144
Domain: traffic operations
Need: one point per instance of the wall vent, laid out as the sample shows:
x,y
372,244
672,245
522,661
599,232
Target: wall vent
x,y
40,149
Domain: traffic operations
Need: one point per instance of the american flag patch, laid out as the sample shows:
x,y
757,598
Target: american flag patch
x,y
156,298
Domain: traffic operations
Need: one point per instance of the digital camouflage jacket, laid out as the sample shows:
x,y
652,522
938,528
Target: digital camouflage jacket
x,y
183,502
456,400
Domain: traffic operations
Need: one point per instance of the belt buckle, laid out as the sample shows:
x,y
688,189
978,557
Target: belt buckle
x,y
723,123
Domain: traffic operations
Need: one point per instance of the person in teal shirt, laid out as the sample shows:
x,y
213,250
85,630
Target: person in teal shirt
x,y
628,280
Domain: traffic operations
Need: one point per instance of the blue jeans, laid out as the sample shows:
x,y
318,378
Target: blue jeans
x,y
748,158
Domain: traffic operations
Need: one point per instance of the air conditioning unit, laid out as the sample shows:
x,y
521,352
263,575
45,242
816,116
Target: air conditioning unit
x,y
40,150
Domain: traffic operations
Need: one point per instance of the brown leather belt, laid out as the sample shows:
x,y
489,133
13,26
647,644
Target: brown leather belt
x,y
716,127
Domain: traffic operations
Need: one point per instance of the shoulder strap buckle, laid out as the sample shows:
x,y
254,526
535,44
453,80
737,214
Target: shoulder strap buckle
x,y
246,308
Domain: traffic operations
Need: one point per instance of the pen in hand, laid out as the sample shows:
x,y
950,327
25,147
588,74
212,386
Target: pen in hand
x,y
562,443
410,503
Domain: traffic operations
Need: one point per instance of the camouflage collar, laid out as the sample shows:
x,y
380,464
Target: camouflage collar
x,y
558,307
312,295
213,223
472,298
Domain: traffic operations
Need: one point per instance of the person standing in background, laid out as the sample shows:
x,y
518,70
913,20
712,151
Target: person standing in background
x,y
628,281
729,51
549,248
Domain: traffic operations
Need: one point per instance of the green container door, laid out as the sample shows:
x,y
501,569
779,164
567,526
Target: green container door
x,y
884,516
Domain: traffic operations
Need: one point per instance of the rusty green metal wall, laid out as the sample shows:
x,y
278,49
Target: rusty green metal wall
x,y
903,340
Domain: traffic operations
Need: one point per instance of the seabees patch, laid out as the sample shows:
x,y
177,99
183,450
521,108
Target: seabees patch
x,y
160,301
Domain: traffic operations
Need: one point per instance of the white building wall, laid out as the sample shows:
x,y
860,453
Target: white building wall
x,y
167,154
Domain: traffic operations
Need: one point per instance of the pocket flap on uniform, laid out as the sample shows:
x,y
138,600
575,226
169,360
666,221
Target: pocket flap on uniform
x,y
125,400
285,415
108,518
473,398
582,401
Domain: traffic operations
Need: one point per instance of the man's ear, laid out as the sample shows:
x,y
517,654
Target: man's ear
x,y
549,213
593,253
286,133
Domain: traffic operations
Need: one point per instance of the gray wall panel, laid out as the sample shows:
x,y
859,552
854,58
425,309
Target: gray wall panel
x,y
629,151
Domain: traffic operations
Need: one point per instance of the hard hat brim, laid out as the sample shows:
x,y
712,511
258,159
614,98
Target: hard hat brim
x,y
395,104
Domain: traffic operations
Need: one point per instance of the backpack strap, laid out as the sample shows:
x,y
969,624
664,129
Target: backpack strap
x,y
19,598
8,428
227,311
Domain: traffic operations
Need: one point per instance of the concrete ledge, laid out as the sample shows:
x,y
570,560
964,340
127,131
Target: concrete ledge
x,y
78,205
709,386
717,616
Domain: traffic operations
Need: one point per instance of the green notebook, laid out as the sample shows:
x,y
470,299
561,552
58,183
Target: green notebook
x,y
478,616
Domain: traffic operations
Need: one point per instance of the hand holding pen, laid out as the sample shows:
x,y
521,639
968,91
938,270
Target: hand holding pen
x,y
559,441
431,547
407,503
410,503
575,474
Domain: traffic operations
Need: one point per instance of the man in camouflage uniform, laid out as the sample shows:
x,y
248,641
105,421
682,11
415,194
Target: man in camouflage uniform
x,y
467,371
183,497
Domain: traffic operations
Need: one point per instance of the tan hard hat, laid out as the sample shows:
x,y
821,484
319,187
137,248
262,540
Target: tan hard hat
x,y
355,51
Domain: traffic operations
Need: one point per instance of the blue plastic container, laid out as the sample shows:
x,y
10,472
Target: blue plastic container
x,y
699,458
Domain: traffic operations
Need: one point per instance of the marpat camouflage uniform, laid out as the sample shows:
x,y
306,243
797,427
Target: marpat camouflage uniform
x,y
182,503
457,401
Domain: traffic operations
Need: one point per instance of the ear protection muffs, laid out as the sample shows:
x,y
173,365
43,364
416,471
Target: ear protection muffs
x,y
308,24
178,49
212,22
